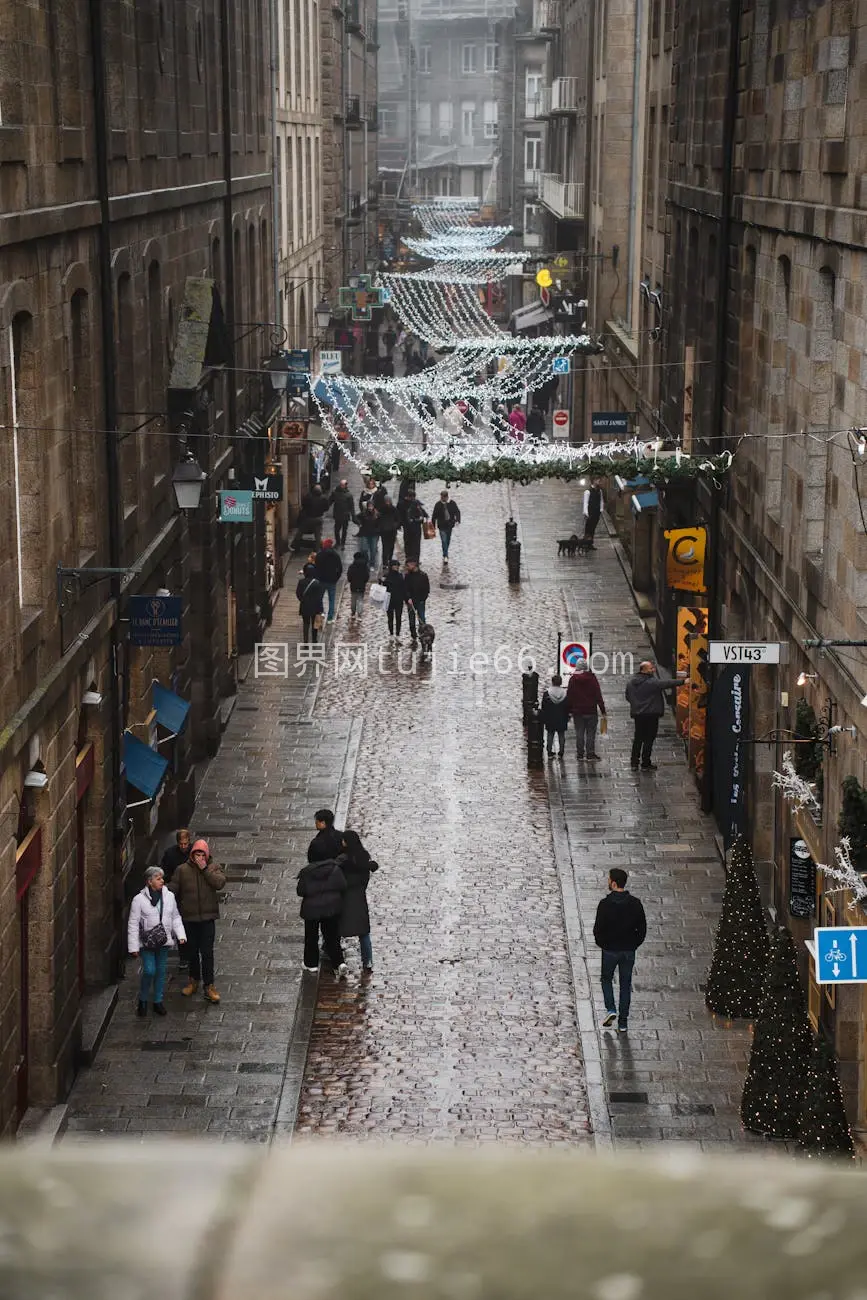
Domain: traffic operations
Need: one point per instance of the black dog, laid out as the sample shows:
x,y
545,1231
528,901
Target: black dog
x,y
568,545
426,636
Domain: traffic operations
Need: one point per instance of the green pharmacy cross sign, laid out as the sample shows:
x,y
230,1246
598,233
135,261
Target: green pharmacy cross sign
x,y
361,297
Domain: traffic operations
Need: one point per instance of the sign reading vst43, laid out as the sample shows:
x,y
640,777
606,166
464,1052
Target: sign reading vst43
x,y
745,652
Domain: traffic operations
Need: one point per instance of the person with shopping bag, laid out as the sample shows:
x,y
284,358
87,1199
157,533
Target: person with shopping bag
x,y
310,593
153,929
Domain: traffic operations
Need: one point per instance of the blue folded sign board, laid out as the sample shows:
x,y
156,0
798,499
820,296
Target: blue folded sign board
x,y
144,767
171,709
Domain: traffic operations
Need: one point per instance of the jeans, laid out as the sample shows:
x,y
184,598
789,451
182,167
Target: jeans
x,y
200,947
445,541
356,604
622,962
561,735
646,727
585,733
341,528
395,618
388,541
309,635
411,611
369,545
366,948
331,593
330,926
153,971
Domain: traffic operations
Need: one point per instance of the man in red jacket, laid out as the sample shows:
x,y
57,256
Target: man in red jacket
x,y
585,703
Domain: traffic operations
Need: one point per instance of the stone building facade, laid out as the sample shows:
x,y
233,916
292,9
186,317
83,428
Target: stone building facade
x,y
135,184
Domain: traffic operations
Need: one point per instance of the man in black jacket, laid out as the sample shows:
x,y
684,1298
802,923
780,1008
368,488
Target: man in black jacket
x,y
328,568
313,507
328,840
620,928
417,585
445,515
341,502
321,886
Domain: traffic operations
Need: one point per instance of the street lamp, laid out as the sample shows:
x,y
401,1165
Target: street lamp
x,y
188,481
322,315
277,367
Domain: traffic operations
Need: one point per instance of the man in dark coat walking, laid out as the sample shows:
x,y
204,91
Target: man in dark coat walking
x,y
313,507
445,515
389,522
341,504
592,510
327,841
584,698
414,515
644,692
321,886
536,424
328,568
620,929
417,586
310,594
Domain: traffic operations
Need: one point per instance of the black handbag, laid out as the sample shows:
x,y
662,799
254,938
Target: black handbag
x,y
156,937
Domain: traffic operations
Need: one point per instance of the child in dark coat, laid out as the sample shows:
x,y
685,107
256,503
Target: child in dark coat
x,y
555,713
358,576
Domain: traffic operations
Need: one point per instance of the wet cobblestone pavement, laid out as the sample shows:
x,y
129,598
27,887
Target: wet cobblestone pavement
x,y
467,1029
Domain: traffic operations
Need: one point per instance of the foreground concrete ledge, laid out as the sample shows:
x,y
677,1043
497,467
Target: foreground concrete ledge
x,y
118,1221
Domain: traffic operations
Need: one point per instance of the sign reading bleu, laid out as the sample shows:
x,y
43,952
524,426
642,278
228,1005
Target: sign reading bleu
x,y
236,507
729,722
155,620
267,488
802,879
609,424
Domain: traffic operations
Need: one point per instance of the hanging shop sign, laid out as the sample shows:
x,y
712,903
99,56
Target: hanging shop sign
x,y
268,488
155,620
331,362
686,554
691,621
802,879
729,722
236,507
748,652
609,424
698,702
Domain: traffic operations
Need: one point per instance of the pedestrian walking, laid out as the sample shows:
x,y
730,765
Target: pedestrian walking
x,y
368,533
365,496
196,886
328,567
176,854
407,485
357,866
592,510
341,506
327,840
321,886
536,424
357,576
644,691
313,507
153,928
414,515
585,702
619,930
554,712
417,587
380,496
446,516
517,423
310,594
334,453
389,522
395,585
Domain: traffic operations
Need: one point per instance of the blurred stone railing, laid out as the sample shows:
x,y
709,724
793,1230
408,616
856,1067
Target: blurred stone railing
x,y
183,1222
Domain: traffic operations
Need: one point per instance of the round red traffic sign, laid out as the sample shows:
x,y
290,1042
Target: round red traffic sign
x,y
561,418
463,406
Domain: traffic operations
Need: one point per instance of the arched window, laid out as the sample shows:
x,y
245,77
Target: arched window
x,y
301,328
126,390
777,386
747,343
28,468
821,410
84,472
252,276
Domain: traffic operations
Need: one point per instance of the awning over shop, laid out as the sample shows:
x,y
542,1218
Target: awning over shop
x,y
344,399
171,709
644,501
530,317
144,767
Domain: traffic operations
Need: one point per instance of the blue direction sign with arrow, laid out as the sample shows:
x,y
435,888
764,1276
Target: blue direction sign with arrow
x,y
560,365
841,954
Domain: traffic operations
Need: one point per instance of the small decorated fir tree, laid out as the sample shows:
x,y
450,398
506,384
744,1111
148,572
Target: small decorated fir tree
x,y
774,1087
734,983
824,1128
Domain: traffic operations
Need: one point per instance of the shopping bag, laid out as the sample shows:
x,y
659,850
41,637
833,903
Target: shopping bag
x,y
379,595
603,725
429,529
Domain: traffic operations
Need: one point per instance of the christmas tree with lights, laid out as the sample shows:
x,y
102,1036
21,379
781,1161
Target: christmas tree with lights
x,y
824,1129
734,983
776,1077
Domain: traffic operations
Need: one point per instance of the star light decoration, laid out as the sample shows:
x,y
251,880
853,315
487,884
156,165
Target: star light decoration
x,y
800,794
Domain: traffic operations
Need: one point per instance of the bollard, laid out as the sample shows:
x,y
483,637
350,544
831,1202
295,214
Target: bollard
x,y
513,560
529,694
511,533
535,740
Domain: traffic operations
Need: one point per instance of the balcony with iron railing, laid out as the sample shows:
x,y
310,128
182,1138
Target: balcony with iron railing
x,y
564,198
352,112
353,207
372,115
373,194
546,15
564,95
353,16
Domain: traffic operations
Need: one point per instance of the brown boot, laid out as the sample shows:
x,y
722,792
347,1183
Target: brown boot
x,y
211,993
190,988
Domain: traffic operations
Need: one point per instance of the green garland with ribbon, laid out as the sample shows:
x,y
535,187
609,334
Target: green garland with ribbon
x,y
658,472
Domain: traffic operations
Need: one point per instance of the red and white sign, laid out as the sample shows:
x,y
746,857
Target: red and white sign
x,y
573,653
545,296
463,406
561,424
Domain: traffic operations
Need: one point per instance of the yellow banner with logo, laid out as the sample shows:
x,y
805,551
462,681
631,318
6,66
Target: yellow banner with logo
x,y
686,555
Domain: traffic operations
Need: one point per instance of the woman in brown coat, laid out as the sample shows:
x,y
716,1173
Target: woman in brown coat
x,y
196,885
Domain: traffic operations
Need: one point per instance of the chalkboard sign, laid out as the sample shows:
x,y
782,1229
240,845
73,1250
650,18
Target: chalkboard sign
x,y
802,880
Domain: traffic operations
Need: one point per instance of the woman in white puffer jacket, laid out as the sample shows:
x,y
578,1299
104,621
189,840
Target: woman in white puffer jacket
x,y
153,906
